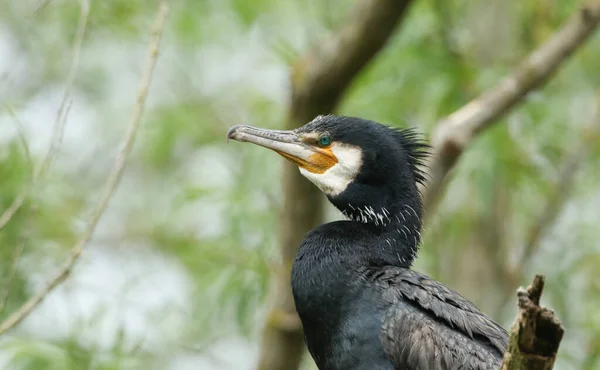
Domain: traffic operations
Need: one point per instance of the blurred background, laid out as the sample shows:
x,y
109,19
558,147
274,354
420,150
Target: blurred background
x,y
178,270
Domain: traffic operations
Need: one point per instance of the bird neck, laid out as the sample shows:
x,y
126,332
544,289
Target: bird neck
x,y
394,231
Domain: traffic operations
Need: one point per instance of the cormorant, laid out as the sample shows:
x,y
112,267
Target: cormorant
x,y
360,304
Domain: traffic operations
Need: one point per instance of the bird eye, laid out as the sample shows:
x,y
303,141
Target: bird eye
x,y
324,140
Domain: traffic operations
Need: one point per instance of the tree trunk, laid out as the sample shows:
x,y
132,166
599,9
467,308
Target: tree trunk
x,y
318,81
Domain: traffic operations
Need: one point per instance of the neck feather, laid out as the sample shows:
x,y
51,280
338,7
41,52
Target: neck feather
x,y
398,228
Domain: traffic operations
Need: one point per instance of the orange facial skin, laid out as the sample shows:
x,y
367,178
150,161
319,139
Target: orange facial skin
x,y
319,162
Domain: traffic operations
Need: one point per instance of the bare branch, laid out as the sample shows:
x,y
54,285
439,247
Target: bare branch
x,y
454,133
16,204
14,207
61,114
18,252
22,137
4,293
536,333
42,6
112,181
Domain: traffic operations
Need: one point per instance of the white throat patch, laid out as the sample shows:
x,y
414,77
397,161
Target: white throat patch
x,y
337,178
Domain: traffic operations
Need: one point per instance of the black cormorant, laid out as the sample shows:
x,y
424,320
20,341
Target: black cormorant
x,y
360,304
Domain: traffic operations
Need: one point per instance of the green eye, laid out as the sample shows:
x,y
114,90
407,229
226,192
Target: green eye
x,y
324,140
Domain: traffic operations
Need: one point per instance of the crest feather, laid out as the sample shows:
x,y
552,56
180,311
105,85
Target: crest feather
x,y
418,151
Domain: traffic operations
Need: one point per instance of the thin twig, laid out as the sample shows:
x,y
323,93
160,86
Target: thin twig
x,y
5,292
454,133
41,7
62,113
18,252
16,204
113,179
59,123
56,141
22,137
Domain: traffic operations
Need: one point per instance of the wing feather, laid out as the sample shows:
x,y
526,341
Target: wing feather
x,y
413,336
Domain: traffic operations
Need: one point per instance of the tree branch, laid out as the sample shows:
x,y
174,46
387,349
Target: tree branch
x,y
18,252
454,133
112,181
536,333
22,138
318,80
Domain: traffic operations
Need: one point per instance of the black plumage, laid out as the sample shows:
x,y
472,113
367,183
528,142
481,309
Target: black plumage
x,y
360,304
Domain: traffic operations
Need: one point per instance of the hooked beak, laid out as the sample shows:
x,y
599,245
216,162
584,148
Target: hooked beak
x,y
288,144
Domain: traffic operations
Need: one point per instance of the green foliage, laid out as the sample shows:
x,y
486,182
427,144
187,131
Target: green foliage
x,y
69,355
248,12
188,124
13,166
213,208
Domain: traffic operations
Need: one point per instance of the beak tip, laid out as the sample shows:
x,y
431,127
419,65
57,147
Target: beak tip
x,y
231,133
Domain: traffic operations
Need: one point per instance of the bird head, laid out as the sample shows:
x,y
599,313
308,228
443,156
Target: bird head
x,y
367,170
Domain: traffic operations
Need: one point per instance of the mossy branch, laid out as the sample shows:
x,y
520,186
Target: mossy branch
x,y
536,333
